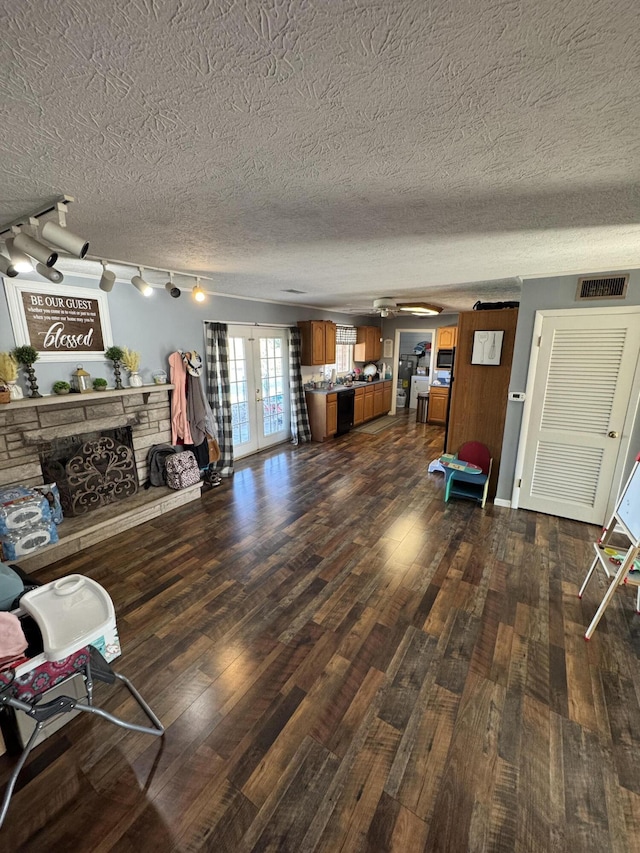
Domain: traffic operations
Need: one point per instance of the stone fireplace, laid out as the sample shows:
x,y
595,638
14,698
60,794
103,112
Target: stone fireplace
x,y
97,443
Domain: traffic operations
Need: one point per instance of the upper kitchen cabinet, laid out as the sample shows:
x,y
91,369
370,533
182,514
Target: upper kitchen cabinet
x,y
318,342
368,346
447,337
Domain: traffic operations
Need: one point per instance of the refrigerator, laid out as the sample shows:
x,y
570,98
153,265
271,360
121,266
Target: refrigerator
x,y
407,367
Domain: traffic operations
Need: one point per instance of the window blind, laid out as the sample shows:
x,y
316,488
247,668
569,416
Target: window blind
x,y
346,335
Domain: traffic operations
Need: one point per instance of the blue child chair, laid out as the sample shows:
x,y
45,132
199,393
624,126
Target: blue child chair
x,y
460,484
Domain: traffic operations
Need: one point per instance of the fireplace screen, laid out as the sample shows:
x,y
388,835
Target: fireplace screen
x,y
91,470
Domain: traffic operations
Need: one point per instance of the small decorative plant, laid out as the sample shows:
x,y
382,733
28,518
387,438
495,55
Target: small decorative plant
x,y
115,354
26,355
131,360
99,384
61,387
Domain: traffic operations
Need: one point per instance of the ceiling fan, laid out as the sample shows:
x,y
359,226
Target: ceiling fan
x,y
387,307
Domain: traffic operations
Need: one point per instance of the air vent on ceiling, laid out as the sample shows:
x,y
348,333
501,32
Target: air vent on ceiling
x,y
609,287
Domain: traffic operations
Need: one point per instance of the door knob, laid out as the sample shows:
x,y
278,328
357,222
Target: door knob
x,y
612,434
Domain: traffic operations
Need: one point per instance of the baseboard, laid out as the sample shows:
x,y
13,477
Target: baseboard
x,y
501,502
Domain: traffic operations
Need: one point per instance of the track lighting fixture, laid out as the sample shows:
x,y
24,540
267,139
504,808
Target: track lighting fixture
x,y
6,267
143,286
36,249
20,261
198,292
171,289
51,273
107,279
65,239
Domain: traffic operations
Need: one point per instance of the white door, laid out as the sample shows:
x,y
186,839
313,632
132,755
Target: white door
x,y
579,409
259,380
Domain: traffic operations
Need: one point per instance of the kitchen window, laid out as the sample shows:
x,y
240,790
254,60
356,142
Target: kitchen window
x,y
344,358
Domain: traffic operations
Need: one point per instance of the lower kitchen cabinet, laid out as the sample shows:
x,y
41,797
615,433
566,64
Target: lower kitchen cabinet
x,y
386,403
378,400
358,407
369,402
323,415
438,400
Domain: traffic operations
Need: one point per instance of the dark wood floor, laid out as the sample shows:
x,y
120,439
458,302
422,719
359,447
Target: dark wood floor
x,y
345,663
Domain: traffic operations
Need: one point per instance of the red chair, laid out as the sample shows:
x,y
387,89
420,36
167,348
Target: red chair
x,y
461,484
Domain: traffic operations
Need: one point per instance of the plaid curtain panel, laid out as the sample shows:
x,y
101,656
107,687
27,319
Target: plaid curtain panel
x,y
346,335
300,429
219,394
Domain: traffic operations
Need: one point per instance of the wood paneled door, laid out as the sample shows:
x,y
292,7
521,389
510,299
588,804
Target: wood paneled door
x,y
479,392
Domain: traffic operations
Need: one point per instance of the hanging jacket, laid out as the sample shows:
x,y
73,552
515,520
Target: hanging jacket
x,y
196,411
179,422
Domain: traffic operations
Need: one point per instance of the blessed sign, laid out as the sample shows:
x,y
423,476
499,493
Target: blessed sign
x,y
60,322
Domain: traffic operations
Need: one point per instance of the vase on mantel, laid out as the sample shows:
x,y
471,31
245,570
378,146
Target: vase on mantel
x,y
135,380
15,391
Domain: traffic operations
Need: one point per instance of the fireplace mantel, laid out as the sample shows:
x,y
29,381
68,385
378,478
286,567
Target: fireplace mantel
x,y
71,398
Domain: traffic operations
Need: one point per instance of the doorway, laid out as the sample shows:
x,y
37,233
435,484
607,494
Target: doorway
x,y
582,394
259,384
409,338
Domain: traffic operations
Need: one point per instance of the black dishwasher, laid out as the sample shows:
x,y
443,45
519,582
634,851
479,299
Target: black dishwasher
x,y
346,400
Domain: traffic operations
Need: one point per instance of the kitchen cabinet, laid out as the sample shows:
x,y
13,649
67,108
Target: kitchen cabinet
x,y
369,402
387,393
358,407
368,347
378,400
438,400
323,415
318,342
447,337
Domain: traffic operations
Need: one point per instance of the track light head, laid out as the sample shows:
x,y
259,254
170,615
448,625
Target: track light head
x,y
65,239
198,292
172,290
107,279
51,273
36,249
20,261
143,286
6,267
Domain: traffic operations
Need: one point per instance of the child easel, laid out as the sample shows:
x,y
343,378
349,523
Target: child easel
x,y
619,564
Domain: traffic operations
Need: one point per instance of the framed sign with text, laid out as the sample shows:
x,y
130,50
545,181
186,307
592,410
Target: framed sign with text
x,y
62,323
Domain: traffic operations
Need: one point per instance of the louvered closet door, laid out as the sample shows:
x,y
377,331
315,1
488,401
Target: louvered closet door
x,y
581,395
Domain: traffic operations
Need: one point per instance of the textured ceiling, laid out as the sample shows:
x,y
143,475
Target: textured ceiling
x,y
350,150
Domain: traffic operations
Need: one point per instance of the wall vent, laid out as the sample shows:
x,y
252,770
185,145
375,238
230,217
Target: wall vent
x,y
608,287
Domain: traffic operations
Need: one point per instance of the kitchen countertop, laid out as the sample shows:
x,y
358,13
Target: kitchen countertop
x,y
339,388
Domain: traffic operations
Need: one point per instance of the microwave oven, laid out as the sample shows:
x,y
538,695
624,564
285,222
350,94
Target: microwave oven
x,y
444,359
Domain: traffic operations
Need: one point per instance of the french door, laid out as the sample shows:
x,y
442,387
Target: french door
x,y
581,413
259,380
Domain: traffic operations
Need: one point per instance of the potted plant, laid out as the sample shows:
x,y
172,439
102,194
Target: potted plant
x,y
61,387
27,355
115,355
99,384
9,376
131,362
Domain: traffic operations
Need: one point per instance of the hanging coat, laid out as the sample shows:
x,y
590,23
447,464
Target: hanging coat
x,y
180,431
